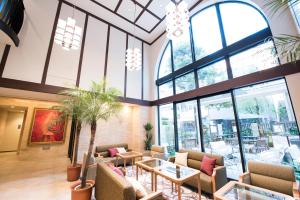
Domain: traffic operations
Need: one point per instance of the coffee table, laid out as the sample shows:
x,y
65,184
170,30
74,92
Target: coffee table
x,y
177,175
236,190
149,165
132,155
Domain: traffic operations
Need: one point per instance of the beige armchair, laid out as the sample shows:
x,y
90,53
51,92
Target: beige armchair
x,y
110,185
156,152
278,178
209,184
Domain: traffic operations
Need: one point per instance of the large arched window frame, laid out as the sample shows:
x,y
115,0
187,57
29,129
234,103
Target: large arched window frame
x,y
194,123
224,53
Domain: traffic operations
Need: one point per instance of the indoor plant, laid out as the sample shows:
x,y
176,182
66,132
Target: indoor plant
x,y
148,141
99,103
288,45
71,106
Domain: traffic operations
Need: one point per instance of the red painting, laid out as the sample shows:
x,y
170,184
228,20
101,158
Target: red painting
x,y
48,126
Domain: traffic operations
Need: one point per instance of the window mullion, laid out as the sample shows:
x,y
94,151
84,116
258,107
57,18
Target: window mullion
x,y
221,26
172,63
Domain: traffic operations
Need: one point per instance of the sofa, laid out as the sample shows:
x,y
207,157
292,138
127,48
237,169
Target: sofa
x,y
209,184
278,178
156,152
111,186
102,152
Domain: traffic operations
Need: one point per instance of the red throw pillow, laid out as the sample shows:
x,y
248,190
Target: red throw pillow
x,y
112,152
208,164
116,170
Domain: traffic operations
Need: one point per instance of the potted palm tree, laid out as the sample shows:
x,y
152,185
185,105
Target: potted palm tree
x,y
71,105
288,45
98,103
148,140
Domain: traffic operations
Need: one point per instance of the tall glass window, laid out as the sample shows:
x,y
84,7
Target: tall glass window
x,y
255,59
206,33
268,127
165,66
182,52
166,124
240,20
166,90
212,74
220,132
185,83
188,126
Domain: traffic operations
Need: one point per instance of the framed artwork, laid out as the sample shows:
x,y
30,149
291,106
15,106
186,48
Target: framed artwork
x,y
48,126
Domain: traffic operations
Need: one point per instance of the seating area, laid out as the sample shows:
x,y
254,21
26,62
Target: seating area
x,y
149,99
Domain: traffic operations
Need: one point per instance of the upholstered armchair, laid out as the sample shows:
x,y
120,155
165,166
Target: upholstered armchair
x,y
156,152
278,178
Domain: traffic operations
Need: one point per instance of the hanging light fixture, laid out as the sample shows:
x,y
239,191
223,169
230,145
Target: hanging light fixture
x,y
177,19
67,34
133,55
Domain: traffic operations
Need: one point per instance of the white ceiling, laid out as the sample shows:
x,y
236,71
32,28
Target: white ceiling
x,y
149,17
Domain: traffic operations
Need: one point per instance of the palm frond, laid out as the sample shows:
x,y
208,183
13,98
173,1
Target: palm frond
x,y
279,6
288,47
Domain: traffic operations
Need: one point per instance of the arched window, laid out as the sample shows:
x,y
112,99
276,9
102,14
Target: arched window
x,y
227,40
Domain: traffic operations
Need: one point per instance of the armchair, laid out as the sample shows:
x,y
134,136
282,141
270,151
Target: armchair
x,y
278,178
156,152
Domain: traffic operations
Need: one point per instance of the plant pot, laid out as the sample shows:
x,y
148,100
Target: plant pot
x,y
73,173
82,194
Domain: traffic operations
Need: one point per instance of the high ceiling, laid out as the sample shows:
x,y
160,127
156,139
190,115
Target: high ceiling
x,y
149,18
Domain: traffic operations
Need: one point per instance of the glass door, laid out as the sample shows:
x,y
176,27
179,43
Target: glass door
x,y
188,126
220,132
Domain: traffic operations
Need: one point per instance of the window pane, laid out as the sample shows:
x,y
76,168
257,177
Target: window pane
x,y
185,83
256,59
268,126
165,67
206,32
212,74
240,20
182,53
166,120
220,132
188,126
166,90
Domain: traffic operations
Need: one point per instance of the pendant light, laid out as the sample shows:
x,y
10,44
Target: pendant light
x,y
177,19
133,55
67,34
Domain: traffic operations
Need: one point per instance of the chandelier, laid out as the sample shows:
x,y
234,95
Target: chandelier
x,y
177,19
67,34
133,55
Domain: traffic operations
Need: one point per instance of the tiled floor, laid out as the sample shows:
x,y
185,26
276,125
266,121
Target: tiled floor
x,y
35,178
25,177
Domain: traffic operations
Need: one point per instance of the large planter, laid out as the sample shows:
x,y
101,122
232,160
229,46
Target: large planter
x,y
82,194
73,173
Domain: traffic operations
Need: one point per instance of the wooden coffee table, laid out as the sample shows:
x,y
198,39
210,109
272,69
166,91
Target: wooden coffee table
x,y
149,165
236,190
132,155
177,175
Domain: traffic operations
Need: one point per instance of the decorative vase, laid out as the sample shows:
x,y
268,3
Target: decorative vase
x,y
82,194
73,173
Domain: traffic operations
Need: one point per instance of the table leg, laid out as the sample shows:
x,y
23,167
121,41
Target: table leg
x,y
172,186
155,184
179,191
132,163
199,186
125,164
137,173
152,182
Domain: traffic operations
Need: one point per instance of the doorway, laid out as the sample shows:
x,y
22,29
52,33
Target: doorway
x,y
11,127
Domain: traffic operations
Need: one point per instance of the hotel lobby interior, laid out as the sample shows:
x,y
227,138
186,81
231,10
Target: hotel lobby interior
x,y
149,99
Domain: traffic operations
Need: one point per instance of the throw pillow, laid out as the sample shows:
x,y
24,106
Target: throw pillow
x,y
116,170
181,159
140,191
207,165
121,150
112,152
